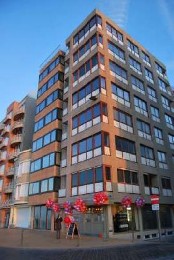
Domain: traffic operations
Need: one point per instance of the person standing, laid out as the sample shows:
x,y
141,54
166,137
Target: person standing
x,y
58,226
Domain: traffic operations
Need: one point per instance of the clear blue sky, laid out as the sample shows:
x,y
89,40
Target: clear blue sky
x,y
31,29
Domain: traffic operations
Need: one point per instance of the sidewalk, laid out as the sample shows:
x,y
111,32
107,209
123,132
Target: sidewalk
x,y
46,239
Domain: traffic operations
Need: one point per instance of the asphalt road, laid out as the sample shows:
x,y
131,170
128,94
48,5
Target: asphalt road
x,y
150,251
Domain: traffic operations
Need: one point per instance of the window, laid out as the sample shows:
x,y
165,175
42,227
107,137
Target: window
x,y
169,121
120,93
155,113
116,34
158,134
137,84
52,136
93,88
86,118
145,58
34,188
152,93
166,183
125,145
95,21
143,127
115,50
140,106
135,65
45,72
149,75
122,117
117,70
162,85
89,147
127,177
160,69
50,83
42,218
161,157
44,162
147,152
50,99
165,102
47,185
171,139
50,117
132,47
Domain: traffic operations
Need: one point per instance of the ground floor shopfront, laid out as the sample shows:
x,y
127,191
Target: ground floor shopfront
x,y
106,221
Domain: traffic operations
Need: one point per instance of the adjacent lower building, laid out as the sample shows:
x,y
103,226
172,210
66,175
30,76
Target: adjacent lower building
x,y
16,131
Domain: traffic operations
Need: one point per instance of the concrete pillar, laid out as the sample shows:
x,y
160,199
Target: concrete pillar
x,y
110,220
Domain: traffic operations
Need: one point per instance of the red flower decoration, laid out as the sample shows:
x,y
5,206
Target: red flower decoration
x,y
67,207
80,205
49,203
139,202
126,201
100,198
55,207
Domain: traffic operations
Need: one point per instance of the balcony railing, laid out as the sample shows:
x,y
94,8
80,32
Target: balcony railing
x,y
16,139
13,155
8,188
19,112
18,124
6,203
11,171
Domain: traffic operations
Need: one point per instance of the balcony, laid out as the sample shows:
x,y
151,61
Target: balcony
x,y
6,130
8,188
6,203
3,144
8,117
3,157
11,171
16,140
18,113
1,126
13,155
17,125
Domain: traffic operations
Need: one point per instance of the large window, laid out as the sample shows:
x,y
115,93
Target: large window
x,y
169,121
125,145
42,218
143,127
89,147
135,65
115,33
123,120
50,83
96,20
120,95
116,51
44,162
145,58
50,137
89,117
162,85
158,135
140,106
155,113
119,71
93,88
137,84
149,75
58,94
133,48
152,94
50,117
161,157
127,177
147,152
53,64
165,102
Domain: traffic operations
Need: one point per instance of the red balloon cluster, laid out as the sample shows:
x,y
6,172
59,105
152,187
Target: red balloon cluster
x,y
49,203
126,201
55,207
80,205
67,207
67,220
100,198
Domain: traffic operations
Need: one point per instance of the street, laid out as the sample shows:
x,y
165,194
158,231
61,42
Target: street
x,y
152,250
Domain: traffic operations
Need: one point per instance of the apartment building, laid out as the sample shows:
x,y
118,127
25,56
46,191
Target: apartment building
x,y
45,157
15,136
118,130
